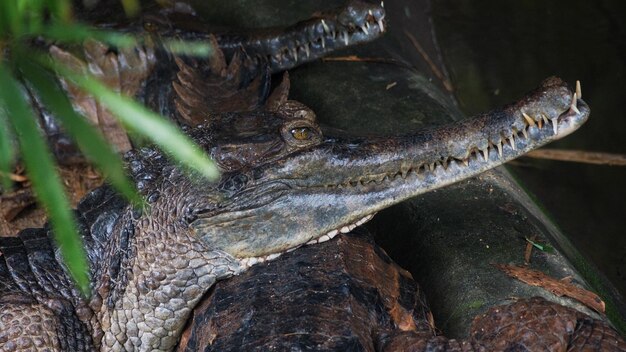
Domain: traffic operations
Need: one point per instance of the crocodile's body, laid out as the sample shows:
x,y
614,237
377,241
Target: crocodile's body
x,y
283,184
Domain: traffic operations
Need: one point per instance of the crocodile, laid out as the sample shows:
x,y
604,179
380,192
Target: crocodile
x,y
285,183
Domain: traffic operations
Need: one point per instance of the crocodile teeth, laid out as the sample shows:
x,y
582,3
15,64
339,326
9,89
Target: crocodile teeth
x,y
512,141
404,170
573,105
579,91
343,229
326,29
555,125
499,145
248,262
540,124
529,119
323,43
364,220
273,256
485,154
525,133
345,37
307,50
323,239
364,29
545,118
381,25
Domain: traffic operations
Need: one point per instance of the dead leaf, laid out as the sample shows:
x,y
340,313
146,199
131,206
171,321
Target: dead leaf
x,y
557,287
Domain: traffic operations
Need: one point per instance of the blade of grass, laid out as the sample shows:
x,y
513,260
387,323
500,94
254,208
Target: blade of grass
x,y
77,33
61,9
189,48
6,146
11,17
131,7
44,178
140,120
89,140
542,247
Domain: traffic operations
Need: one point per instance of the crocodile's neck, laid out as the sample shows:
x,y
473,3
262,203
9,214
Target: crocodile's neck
x,y
152,272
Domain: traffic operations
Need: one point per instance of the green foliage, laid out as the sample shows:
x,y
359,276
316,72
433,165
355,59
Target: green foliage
x,y
26,70
540,246
41,171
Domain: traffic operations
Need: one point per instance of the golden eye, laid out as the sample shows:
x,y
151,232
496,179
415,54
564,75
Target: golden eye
x,y
301,133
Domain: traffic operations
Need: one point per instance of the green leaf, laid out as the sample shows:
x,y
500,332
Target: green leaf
x,y
542,247
189,48
89,140
140,120
6,146
131,7
77,33
44,178
11,17
61,9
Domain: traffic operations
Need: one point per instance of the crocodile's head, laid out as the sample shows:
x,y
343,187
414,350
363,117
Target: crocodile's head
x,y
354,23
285,184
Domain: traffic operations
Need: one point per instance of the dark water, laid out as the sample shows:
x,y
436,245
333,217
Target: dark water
x,y
496,50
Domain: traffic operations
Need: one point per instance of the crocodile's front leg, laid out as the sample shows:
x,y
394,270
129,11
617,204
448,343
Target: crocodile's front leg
x,y
39,307
169,279
155,272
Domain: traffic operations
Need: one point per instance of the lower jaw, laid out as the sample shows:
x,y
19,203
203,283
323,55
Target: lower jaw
x,y
248,262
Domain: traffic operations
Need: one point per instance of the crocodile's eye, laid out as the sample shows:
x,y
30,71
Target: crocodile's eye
x,y
302,133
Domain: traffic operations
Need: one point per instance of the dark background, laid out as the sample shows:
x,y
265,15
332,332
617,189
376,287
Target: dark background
x,y
496,50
